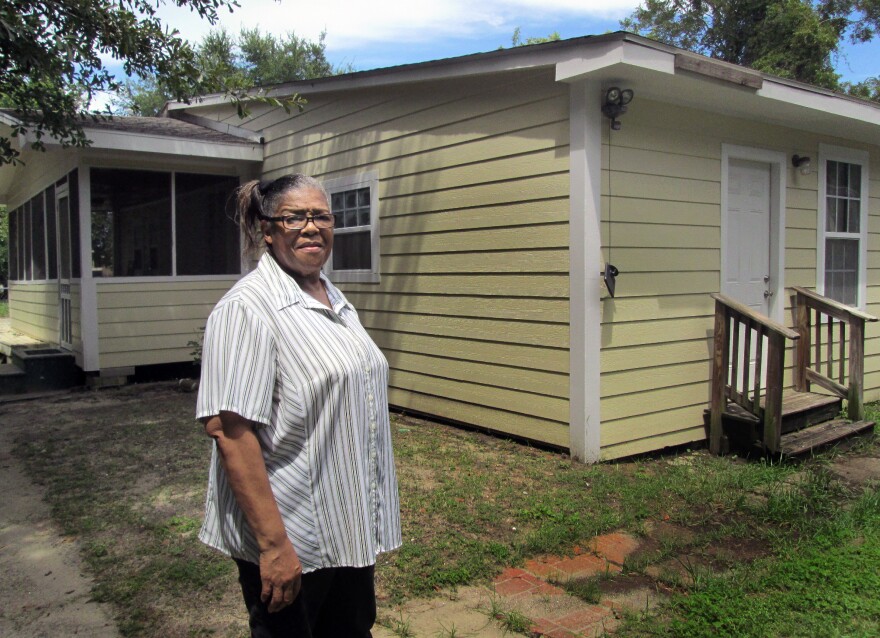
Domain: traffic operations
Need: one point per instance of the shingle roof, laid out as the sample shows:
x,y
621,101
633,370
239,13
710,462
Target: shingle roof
x,y
157,126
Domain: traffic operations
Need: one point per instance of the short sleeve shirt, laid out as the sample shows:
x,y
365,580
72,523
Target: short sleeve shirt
x,y
315,385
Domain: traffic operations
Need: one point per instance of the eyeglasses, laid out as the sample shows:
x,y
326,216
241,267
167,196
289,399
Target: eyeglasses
x,y
300,219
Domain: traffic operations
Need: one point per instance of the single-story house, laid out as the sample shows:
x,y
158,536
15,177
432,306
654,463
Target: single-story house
x,y
479,200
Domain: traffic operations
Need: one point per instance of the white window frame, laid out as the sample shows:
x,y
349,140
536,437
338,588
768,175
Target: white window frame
x,y
352,182
829,152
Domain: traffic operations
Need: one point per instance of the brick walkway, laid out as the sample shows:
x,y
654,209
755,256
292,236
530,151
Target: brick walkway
x,y
534,592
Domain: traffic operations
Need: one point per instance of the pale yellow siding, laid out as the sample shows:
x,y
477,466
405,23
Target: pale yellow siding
x,y
33,309
661,226
472,306
151,323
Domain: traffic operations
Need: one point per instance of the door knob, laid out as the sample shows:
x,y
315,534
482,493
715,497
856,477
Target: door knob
x,y
767,294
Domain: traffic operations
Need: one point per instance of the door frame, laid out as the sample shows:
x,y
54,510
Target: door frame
x,y
65,304
778,162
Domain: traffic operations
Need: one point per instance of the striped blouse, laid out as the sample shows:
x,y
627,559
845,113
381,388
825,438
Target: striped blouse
x,y
315,385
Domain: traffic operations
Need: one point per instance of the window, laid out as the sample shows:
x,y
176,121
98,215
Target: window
x,y
843,198
354,202
139,229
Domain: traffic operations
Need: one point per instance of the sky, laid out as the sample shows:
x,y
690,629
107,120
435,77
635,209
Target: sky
x,y
381,33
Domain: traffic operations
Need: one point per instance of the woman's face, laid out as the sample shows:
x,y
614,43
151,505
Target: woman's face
x,y
301,253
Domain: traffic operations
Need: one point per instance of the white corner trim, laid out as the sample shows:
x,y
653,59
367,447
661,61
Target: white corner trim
x,y
611,53
778,162
585,258
88,312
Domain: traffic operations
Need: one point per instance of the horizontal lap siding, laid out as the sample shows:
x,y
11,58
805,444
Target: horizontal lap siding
x,y
661,224
33,309
472,307
152,323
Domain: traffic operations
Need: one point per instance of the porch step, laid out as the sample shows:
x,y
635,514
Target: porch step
x,y
799,410
13,379
816,436
40,369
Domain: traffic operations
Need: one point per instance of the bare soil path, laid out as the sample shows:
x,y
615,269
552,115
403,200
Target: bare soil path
x,y
43,592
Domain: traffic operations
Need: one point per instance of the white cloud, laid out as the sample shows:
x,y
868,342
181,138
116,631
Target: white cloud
x,y
351,26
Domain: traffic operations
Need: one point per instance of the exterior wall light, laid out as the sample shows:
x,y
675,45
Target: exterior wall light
x,y
802,163
615,104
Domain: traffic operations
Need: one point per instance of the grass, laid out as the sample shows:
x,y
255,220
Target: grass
x,y
4,309
734,544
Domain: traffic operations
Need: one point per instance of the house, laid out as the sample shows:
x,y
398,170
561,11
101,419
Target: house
x,y
479,200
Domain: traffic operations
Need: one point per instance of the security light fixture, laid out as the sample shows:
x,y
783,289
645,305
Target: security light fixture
x,y
801,162
615,103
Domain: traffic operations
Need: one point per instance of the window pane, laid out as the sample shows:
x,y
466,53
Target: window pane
x,y
51,238
38,237
831,214
854,181
842,270
831,179
352,251
854,216
131,223
364,197
207,235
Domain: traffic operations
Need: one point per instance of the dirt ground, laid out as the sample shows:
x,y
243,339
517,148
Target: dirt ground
x,y
43,592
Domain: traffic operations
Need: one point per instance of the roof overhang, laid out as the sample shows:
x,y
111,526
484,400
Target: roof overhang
x,y
653,70
135,144
667,74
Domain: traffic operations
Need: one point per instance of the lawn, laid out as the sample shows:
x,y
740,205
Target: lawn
x,y
4,309
742,548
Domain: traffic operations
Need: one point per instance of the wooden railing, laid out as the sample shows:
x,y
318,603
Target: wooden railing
x,y
737,329
842,357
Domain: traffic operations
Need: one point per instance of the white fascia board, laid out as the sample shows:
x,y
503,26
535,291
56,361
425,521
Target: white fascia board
x,y
815,99
609,54
123,141
421,73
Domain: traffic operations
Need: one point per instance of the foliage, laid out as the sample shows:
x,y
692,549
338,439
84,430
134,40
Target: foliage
x,y
517,41
795,39
52,60
253,59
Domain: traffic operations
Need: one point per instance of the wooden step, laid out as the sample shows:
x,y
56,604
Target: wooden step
x,y
804,408
815,436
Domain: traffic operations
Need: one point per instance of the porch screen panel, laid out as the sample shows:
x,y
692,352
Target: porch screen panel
x,y
38,237
24,236
51,237
75,260
207,235
13,244
131,223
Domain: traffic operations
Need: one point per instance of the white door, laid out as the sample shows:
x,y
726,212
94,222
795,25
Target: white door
x,y
747,263
747,250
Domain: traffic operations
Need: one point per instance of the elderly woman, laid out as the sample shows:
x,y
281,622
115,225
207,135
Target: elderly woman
x,y
302,490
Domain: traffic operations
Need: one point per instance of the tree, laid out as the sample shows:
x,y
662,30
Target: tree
x,y
51,59
795,39
254,59
517,41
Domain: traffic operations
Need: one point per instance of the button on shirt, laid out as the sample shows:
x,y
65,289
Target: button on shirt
x,y
315,385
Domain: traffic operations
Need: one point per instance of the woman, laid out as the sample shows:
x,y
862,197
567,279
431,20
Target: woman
x,y
302,490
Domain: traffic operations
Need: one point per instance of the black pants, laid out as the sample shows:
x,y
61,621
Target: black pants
x,y
338,602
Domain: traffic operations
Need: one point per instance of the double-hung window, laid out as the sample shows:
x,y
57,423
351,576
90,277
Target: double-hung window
x,y
843,222
354,202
